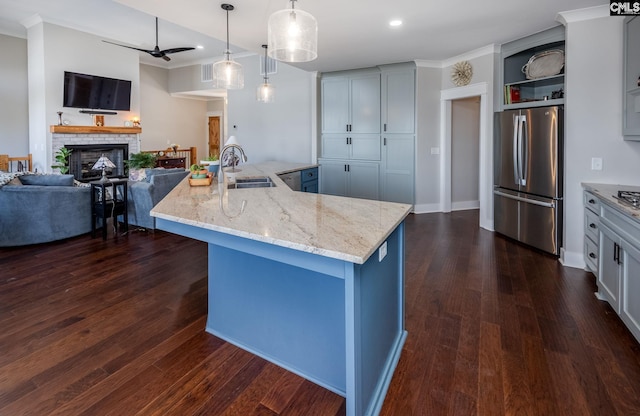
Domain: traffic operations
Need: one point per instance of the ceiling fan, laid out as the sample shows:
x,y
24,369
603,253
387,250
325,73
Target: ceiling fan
x,y
155,52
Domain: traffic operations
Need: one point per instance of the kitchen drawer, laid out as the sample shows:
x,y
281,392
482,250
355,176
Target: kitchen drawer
x,y
591,202
591,224
310,174
591,255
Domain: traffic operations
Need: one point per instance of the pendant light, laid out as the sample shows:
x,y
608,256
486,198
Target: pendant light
x,y
227,73
293,35
265,92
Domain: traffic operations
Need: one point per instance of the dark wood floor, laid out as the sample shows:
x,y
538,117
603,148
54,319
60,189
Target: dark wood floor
x,y
116,328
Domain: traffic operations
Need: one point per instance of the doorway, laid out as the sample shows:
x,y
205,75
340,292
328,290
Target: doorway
x,y
486,159
213,141
465,153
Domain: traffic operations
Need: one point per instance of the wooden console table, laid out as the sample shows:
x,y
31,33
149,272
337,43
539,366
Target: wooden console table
x,y
171,162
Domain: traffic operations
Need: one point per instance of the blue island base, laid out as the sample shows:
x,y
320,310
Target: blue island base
x,y
333,322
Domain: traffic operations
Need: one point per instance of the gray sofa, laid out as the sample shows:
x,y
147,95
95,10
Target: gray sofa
x,y
144,195
42,208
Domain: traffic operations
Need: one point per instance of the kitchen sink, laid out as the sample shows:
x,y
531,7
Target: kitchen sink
x,y
255,182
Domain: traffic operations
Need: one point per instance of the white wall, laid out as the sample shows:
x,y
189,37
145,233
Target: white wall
x,y
593,120
54,49
283,130
465,153
427,138
166,119
14,105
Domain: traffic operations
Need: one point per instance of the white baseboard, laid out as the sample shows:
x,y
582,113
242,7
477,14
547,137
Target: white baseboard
x,y
572,259
464,205
426,208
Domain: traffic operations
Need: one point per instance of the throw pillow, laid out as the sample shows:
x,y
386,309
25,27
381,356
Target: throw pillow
x,y
6,177
47,180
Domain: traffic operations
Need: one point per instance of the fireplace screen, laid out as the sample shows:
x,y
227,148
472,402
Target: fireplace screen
x,y
83,157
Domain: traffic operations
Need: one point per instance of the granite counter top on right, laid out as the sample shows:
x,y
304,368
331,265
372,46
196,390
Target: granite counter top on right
x,y
607,193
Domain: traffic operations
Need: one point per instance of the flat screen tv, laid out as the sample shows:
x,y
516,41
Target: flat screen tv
x,y
96,93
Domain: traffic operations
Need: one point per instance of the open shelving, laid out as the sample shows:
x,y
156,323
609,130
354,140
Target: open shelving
x,y
517,90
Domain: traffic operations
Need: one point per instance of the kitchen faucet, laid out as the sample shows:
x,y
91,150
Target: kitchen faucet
x,y
222,152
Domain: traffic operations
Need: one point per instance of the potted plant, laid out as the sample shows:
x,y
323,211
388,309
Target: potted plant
x,y
212,162
198,171
137,164
62,160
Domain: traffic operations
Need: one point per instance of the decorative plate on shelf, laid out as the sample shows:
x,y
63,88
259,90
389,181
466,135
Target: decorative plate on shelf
x,y
160,153
544,64
461,73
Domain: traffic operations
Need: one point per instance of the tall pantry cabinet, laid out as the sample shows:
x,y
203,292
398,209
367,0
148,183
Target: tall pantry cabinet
x,y
368,133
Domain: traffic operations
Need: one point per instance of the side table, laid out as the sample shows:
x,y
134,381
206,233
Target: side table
x,y
109,200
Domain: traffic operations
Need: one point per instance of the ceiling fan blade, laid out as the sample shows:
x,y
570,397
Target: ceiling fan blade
x,y
176,50
155,52
130,47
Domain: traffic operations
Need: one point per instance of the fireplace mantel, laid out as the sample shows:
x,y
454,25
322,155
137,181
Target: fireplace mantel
x,y
95,129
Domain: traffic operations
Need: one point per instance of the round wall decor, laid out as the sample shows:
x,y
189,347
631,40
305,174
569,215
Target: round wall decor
x,y
461,73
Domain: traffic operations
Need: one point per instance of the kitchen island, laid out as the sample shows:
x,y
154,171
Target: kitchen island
x,y
313,283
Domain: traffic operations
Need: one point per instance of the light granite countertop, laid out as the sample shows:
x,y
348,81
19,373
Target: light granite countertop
x,y
605,192
347,229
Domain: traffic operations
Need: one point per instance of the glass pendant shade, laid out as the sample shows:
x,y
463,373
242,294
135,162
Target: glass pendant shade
x,y
265,93
228,74
293,35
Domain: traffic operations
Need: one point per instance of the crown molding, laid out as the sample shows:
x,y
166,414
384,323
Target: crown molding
x,y
29,22
467,56
588,13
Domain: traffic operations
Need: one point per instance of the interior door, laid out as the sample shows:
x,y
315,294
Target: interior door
x,y
214,136
541,145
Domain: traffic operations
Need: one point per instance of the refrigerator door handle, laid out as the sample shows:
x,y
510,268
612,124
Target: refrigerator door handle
x,y
528,201
524,139
516,150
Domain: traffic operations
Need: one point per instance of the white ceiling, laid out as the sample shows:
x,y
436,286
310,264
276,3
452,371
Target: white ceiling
x,y
352,34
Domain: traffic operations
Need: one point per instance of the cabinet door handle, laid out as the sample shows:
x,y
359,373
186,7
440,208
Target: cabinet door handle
x,y
593,256
385,126
592,225
616,253
384,143
592,201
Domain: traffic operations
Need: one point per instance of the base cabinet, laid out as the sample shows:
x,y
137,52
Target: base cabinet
x,y
619,266
349,178
609,274
630,299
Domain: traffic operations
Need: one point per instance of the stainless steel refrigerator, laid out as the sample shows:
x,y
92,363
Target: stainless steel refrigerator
x,y
528,176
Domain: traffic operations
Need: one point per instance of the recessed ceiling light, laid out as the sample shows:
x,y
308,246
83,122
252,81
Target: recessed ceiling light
x,y
395,23
199,47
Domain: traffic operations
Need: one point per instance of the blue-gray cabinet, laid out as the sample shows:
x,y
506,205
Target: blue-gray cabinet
x,y
398,133
354,179
351,102
359,158
309,180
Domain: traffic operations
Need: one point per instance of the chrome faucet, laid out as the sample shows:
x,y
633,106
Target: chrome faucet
x,y
233,162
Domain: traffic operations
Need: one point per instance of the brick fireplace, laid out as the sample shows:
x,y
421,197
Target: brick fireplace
x,y
90,144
